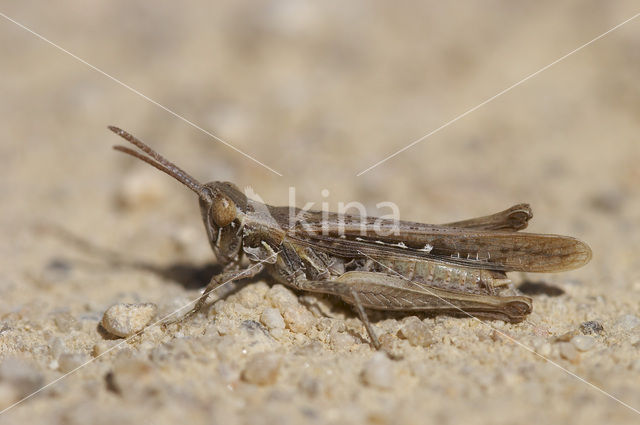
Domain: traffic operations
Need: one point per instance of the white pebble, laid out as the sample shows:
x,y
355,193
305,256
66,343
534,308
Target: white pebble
x,y
541,346
262,368
251,296
126,319
342,341
416,332
272,318
568,351
378,371
583,342
299,319
281,297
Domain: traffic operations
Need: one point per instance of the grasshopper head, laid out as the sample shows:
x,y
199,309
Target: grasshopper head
x,y
222,205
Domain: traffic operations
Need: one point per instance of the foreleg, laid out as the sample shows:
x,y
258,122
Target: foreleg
x,y
227,280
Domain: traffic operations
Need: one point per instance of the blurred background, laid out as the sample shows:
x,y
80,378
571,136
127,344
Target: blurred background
x,y
318,91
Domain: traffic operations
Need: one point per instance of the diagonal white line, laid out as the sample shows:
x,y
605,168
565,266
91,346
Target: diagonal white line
x,y
531,350
175,114
495,96
130,337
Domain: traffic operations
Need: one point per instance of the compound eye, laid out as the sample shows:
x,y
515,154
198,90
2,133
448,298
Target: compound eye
x,y
223,211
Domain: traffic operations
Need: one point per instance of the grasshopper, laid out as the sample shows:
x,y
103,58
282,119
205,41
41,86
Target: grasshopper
x,y
451,268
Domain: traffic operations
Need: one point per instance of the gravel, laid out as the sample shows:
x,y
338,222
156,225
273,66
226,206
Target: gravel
x,y
124,320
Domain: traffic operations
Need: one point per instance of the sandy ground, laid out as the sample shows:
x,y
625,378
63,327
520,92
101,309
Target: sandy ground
x,y
318,92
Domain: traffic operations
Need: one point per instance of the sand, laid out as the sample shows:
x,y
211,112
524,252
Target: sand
x,y
318,93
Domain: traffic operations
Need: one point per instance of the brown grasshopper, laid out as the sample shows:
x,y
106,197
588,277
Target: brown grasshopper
x,y
451,268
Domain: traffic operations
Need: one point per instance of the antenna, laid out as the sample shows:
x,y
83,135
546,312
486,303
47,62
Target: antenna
x,y
156,160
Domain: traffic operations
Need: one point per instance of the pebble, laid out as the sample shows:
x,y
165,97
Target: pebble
x,y
299,319
416,332
70,361
583,342
390,344
272,318
252,296
568,351
139,189
342,340
262,368
627,322
21,376
542,346
378,371
281,297
591,327
124,320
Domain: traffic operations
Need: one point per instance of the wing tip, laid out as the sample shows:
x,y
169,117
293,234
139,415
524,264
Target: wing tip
x,y
585,253
580,255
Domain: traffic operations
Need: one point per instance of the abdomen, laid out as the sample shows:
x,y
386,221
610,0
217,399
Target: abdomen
x,y
445,276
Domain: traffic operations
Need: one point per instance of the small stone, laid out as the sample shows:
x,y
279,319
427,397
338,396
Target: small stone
x,y
281,297
390,344
568,351
542,346
139,189
71,361
591,328
583,342
299,319
627,322
262,368
272,318
252,296
21,376
342,341
416,332
126,319
378,371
